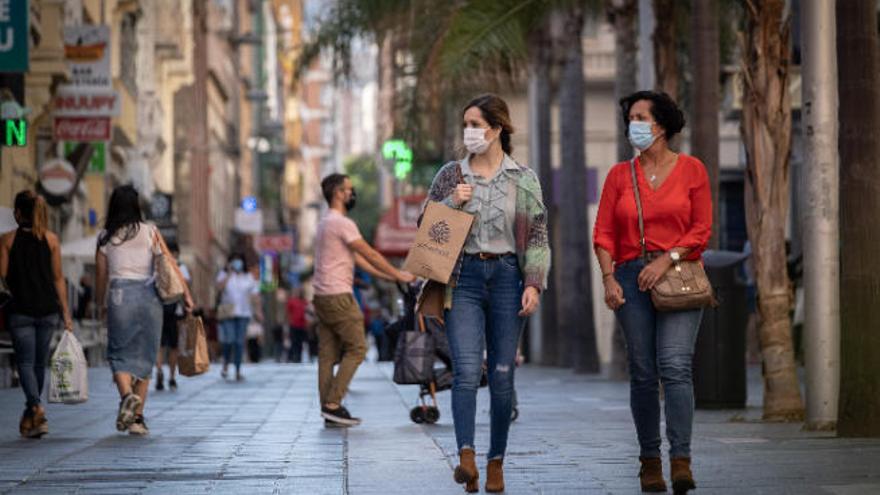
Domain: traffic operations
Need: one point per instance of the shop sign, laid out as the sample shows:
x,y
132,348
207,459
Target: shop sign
x,y
14,20
76,101
87,51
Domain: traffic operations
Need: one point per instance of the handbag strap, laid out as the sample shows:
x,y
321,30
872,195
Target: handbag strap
x,y
635,181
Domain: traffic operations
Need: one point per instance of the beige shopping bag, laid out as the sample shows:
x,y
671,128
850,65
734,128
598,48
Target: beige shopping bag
x,y
438,243
193,347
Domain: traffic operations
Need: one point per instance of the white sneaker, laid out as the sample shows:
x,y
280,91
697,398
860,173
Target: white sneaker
x,y
139,427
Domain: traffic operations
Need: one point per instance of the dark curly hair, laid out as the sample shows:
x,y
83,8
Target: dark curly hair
x,y
663,108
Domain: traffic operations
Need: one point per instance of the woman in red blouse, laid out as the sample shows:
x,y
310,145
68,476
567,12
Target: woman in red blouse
x,y
677,211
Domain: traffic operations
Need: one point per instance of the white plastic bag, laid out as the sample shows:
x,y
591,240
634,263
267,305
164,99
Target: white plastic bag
x,y
68,372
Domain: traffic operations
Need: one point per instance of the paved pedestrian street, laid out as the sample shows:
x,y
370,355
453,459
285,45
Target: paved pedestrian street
x,y
574,436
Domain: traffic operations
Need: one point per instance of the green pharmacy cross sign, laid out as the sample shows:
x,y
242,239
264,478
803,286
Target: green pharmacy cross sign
x,y
396,149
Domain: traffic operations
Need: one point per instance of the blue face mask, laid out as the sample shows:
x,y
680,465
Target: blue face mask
x,y
640,135
237,265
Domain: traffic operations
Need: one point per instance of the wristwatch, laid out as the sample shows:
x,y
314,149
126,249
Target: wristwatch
x,y
675,255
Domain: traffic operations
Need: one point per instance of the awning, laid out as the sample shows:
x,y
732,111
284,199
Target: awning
x,y
397,228
7,220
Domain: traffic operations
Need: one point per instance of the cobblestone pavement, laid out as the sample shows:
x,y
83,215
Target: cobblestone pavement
x,y
574,436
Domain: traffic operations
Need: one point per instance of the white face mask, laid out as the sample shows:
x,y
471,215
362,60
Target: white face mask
x,y
475,140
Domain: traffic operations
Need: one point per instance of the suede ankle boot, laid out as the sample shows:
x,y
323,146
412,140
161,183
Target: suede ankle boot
x,y
651,475
682,478
26,423
495,476
466,471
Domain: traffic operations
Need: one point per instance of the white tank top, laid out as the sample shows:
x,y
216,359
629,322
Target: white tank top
x,y
132,259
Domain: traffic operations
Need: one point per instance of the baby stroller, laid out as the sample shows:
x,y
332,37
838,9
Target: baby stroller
x,y
421,343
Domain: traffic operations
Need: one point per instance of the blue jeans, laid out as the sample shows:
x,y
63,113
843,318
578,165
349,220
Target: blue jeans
x,y
484,311
30,340
232,332
660,349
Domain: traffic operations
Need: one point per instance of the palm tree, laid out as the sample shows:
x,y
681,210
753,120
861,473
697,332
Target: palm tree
x,y
766,133
665,61
858,51
706,55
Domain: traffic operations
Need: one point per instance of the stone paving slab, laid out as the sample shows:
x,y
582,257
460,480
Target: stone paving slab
x,y
265,435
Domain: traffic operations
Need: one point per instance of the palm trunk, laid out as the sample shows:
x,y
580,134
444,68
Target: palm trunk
x,y
575,295
859,88
540,159
706,62
623,15
766,132
664,47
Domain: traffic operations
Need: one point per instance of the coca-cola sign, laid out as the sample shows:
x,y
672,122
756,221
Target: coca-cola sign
x,y
82,129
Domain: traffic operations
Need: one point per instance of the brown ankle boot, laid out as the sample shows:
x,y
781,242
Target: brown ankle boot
x,y
26,423
651,475
40,423
682,478
495,476
466,471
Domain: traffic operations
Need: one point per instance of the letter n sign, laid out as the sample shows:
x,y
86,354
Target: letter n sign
x,y
14,16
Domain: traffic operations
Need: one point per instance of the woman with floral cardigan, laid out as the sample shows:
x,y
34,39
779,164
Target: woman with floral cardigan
x,y
498,278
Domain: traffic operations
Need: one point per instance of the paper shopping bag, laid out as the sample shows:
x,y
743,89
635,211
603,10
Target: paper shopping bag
x,y
193,347
438,243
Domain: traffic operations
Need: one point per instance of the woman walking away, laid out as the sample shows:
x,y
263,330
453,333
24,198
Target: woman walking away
x,y
502,270
240,301
30,262
127,248
677,212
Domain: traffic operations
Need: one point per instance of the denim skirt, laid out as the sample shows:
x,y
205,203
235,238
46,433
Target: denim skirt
x,y
134,326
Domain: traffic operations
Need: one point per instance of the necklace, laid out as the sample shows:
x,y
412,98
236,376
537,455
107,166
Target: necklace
x,y
655,165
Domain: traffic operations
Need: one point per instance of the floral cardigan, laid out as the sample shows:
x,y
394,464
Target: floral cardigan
x,y
530,225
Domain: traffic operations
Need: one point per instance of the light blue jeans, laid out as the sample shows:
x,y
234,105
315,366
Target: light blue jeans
x,y
660,349
30,340
485,303
231,336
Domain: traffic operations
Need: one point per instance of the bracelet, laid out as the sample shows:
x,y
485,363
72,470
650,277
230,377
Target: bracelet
x,y
606,275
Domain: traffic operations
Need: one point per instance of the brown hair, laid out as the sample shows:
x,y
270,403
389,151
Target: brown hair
x,y
32,212
495,112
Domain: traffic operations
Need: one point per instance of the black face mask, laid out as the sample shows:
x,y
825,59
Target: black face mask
x,y
349,205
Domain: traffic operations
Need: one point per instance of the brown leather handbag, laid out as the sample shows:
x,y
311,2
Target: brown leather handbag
x,y
685,285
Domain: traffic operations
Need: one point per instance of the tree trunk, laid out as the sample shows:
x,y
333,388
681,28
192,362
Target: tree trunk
x,y
706,54
766,133
664,48
575,294
859,88
540,99
623,15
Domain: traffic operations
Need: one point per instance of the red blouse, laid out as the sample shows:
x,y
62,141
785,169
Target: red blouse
x,y
677,214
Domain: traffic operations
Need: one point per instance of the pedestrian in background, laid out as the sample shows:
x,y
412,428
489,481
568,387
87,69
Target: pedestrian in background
x,y
338,247
30,262
239,302
296,318
127,248
499,278
171,316
677,211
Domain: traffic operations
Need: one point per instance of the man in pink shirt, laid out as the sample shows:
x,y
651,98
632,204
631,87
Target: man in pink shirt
x,y
338,247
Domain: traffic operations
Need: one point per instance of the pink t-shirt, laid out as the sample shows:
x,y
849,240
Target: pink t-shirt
x,y
334,261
